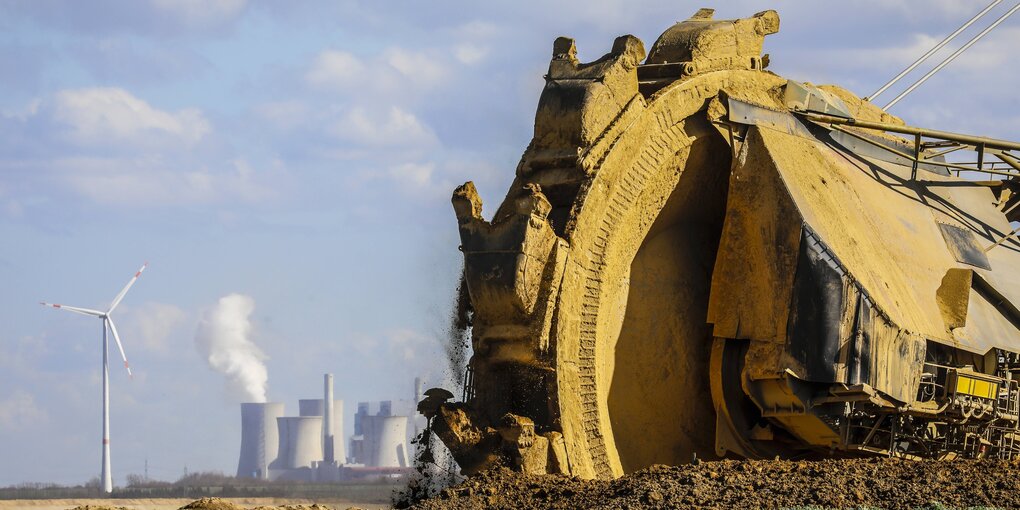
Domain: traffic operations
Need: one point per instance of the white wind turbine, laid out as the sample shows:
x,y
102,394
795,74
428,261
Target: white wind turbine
x,y
107,479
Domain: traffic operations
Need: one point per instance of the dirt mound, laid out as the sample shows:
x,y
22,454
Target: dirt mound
x,y
853,483
211,504
294,507
98,507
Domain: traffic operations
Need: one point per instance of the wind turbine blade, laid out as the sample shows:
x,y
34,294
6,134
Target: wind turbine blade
x,y
116,300
75,309
113,329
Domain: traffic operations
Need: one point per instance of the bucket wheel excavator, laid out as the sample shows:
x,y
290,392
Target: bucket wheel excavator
x,y
700,258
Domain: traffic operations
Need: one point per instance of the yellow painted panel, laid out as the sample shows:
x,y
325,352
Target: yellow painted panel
x,y
963,385
977,387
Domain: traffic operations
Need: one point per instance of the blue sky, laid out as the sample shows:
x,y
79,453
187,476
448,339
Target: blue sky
x,y
303,155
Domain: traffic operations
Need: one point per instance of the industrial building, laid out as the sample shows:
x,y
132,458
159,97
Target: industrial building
x,y
383,431
380,437
310,447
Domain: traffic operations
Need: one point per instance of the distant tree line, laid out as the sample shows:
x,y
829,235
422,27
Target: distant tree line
x,y
207,484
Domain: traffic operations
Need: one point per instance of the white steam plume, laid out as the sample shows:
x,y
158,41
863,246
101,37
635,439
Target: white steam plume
x,y
223,339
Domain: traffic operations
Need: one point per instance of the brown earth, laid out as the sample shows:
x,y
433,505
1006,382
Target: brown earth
x,y
186,504
98,507
855,483
211,504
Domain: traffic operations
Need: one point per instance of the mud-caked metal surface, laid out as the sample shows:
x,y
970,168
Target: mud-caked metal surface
x,y
686,267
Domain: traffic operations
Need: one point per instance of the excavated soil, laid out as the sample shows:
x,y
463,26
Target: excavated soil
x,y
220,504
98,507
298,507
856,483
211,504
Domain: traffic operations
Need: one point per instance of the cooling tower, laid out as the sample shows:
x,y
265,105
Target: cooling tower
x,y
259,438
386,441
313,407
300,442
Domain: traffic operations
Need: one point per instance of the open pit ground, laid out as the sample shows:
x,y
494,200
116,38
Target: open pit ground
x,y
864,484
815,485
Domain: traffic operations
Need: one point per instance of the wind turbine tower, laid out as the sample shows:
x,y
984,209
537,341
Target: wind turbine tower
x,y
106,478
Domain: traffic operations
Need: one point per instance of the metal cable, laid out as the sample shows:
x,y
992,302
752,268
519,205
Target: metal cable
x,y
932,51
950,58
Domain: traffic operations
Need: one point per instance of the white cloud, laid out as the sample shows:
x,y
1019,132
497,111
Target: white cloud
x,y
29,110
18,410
393,127
283,114
151,325
116,149
477,29
395,344
332,69
405,343
989,54
200,12
395,73
470,53
951,9
147,183
415,174
993,54
104,116
417,66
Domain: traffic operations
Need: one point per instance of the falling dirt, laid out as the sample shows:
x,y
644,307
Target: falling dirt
x,y
434,468
457,334
854,483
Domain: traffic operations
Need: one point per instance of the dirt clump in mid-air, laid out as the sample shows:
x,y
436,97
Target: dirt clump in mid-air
x,y
848,483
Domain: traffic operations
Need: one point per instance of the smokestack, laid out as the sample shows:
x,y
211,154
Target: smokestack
x,y
259,439
328,441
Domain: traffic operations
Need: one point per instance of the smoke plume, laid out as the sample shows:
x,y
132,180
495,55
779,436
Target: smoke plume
x,y
223,338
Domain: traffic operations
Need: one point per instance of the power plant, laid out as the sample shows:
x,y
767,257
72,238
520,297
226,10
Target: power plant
x,y
311,447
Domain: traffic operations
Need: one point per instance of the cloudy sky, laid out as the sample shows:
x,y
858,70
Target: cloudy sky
x,y
301,155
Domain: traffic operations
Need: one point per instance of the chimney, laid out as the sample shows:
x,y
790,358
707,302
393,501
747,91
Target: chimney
x,y
328,434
